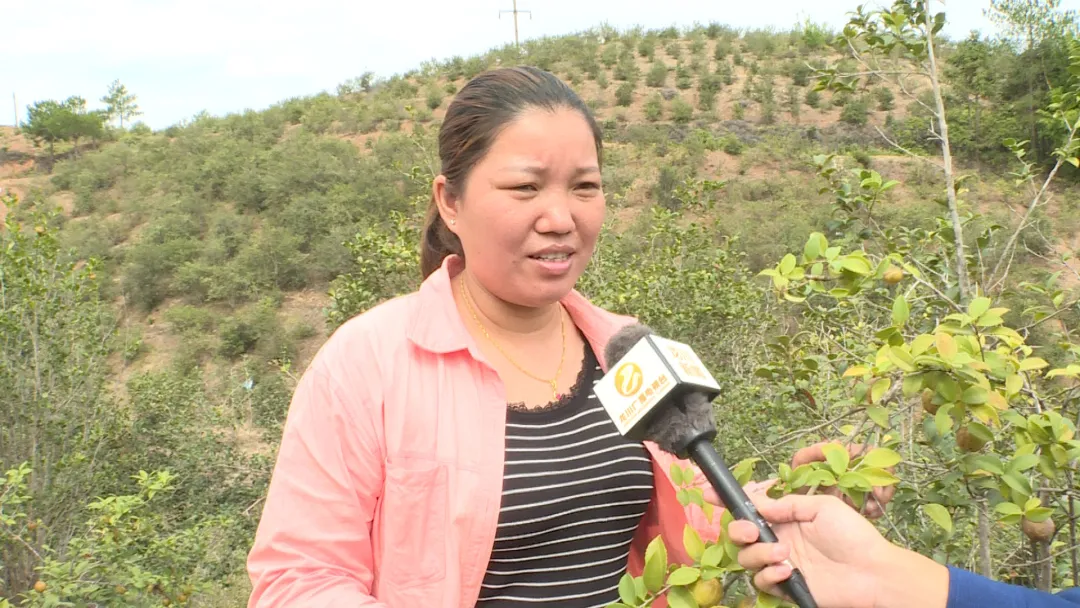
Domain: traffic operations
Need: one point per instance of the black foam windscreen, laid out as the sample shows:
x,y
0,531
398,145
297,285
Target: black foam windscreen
x,y
674,426
623,340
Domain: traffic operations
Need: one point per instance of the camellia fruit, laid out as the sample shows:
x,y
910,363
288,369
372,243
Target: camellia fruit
x,y
967,441
1040,531
893,275
708,593
928,402
40,586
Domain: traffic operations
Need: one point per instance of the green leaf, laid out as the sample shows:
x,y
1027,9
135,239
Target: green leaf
x,y
693,543
949,388
837,457
1032,363
684,576
787,264
902,359
975,395
813,247
655,565
821,477
989,462
680,597
943,422
879,389
800,476
921,343
978,306
1017,483
1023,463
912,385
879,477
854,481
940,516
764,600
1013,384
879,415
712,556
881,458
1039,514
946,345
856,265
677,474
627,592
900,311
744,470
855,370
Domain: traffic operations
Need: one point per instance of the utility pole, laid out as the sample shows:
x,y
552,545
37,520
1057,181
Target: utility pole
x,y
15,104
517,42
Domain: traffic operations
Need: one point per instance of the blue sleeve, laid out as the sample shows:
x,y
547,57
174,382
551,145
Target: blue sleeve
x,y
969,590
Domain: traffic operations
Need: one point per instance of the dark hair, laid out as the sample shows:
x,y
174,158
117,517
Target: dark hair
x,y
483,107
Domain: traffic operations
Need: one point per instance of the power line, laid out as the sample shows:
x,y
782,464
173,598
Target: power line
x,y
517,42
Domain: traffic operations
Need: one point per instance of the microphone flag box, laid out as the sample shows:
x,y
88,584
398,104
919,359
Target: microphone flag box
x,y
655,369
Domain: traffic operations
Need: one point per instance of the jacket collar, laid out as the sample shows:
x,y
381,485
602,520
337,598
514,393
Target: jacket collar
x,y
436,326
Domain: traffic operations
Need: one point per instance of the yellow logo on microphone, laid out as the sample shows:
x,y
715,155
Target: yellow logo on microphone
x,y
628,379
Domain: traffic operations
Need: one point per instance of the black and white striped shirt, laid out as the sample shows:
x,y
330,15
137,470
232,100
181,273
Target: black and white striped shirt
x,y
574,492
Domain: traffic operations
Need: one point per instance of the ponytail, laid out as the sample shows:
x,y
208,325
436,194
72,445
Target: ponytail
x,y
436,242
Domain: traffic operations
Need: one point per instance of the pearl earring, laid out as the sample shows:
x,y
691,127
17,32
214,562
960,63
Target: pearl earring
x,y
452,222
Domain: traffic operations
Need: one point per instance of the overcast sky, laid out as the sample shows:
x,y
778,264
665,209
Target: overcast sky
x,y
184,56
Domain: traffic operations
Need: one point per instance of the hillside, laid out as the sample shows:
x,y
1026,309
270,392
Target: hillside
x,y
756,133
232,246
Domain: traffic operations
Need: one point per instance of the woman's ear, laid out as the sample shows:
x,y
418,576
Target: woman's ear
x,y
446,203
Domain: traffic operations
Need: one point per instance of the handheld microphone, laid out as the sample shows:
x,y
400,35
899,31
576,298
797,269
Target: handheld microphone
x,y
658,390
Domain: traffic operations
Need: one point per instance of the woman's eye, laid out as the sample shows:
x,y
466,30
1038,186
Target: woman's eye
x,y
590,185
525,188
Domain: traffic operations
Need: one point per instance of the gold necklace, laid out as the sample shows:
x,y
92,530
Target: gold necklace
x,y
562,327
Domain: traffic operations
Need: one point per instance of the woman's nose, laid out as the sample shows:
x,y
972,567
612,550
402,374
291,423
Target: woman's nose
x,y
557,216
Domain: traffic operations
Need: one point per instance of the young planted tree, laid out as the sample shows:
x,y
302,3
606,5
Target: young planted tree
x,y
120,104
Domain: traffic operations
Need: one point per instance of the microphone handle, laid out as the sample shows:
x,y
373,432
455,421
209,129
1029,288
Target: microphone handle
x,y
738,503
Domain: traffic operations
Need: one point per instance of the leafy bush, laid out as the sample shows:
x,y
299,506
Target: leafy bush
x,y
855,111
681,110
654,108
884,97
657,75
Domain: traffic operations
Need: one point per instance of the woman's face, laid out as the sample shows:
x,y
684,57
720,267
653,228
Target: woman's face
x,y
532,208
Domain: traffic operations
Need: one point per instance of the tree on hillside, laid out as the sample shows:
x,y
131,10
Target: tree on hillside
x,y
1038,28
51,121
972,75
120,104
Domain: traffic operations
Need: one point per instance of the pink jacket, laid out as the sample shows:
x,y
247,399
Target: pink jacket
x,y
387,485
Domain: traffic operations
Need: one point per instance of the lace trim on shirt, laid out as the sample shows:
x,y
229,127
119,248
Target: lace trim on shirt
x,y
565,399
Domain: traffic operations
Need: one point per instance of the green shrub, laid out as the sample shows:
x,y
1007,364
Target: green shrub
x,y
683,78
681,111
624,94
647,48
627,71
855,111
654,108
657,75
609,56
884,98
813,98
434,99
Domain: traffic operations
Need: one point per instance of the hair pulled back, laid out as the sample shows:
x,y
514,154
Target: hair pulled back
x,y
476,116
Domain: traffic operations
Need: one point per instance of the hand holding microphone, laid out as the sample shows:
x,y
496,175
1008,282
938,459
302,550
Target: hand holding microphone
x,y
659,390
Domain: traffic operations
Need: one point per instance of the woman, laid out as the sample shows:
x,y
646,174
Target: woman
x,y
443,449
